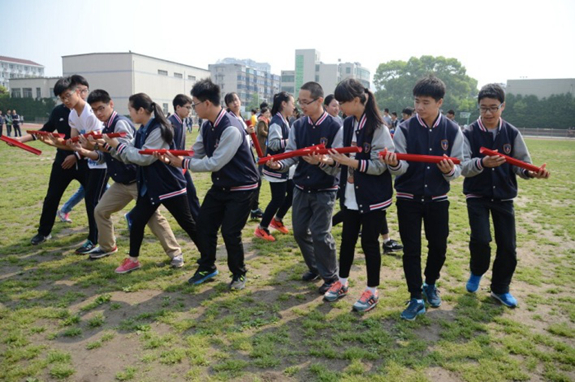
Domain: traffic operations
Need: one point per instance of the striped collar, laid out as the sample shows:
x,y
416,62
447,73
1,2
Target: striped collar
x,y
484,129
177,117
111,119
282,118
422,122
239,118
360,125
219,117
319,121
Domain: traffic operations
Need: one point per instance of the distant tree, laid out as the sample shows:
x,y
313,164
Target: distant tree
x,y
556,111
4,92
394,82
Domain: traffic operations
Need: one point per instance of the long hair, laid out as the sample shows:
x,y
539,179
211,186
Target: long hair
x,y
142,100
350,88
278,99
229,98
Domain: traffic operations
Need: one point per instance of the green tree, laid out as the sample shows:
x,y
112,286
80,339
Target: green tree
x,y
394,82
4,92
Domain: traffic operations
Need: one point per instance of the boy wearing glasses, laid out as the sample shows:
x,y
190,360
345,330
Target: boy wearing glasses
x,y
422,190
490,185
315,189
182,108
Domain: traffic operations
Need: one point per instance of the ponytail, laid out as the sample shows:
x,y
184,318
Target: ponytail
x,y
350,88
142,100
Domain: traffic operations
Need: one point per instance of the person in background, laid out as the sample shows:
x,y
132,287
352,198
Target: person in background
x,y
387,118
406,114
8,122
16,124
1,123
332,107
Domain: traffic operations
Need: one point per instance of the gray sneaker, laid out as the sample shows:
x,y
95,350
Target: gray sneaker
x,y
238,282
177,261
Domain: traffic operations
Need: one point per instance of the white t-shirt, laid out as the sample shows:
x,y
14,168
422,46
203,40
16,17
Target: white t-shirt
x,y
350,201
85,123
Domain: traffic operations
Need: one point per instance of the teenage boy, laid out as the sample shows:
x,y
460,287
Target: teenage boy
x,y
66,166
490,185
315,190
125,189
421,190
221,148
182,107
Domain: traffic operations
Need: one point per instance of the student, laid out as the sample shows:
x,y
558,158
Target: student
x,y
387,118
67,165
261,129
182,107
366,189
490,186
1,123
451,115
8,122
157,182
332,107
394,122
124,189
422,190
281,183
406,114
222,149
315,190
16,124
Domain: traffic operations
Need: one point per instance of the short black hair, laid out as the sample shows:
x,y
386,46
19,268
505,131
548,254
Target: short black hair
x,y
450,111
206,90
62,85
254,111
79,80
328,99
408,110
314,88
394,113
99,95
491,91
181,100
429,86
386,110
264,105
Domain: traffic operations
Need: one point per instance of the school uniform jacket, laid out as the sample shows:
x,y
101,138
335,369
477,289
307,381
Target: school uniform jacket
x,y
58,121
372,182
278,137
500,182
424,181
221,148
305,133
118,170
156,180
179,132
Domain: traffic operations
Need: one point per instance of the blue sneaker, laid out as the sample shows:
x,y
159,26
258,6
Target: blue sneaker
x,y
128,220
414,309
202,276
473,283
431,294
506,299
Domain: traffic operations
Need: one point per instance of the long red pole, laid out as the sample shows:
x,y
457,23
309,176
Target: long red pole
x,y
309,151
14,142
421,158
510,160
98,136
40,132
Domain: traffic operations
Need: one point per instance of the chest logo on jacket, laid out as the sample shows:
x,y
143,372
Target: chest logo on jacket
x,y
323,141
444,144
507,148
366,147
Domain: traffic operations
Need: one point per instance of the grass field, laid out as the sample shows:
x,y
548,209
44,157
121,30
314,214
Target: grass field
x,y
63,317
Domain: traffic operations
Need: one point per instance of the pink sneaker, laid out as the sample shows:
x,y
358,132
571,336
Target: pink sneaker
x,y
64,217
128,266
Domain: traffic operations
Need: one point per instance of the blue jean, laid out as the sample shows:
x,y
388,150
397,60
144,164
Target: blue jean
x,y
75,199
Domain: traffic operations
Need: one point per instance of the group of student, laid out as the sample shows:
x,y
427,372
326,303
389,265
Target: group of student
x,y
308,184
12,120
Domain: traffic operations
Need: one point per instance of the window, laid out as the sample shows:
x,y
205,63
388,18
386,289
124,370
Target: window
x,y
316,78
178,75
162,72
16,93
191,78
27,92
38,93
165,108
51,93
347,70
317,68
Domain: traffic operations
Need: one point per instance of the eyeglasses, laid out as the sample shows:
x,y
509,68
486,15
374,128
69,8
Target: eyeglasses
x,y
85,90
66,96
306,103
187,107
492,109
196,104
99,109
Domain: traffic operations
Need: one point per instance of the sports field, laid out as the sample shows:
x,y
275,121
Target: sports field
x,y
63,317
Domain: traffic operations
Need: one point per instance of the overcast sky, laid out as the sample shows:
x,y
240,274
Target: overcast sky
x,y
494,40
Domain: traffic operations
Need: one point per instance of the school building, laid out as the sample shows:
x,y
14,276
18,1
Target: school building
x,y
12,68
309,67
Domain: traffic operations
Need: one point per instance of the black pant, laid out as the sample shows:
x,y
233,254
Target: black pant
x,y
230,211
282,198
192,196
143,211
95,188
8,130
338,218
17,131
255,200
370,224
59,181
503,216
435,216
1,129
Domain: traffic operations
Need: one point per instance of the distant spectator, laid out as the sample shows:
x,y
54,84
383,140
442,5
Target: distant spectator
x,y
386,118
331,105
8,122
451,115
16,124
295,116
394,122
1,123
406,114
254,118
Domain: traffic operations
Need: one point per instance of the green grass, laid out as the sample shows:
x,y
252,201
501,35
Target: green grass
x,y
65,318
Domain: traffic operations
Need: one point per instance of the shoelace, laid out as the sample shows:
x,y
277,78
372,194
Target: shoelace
x,y
365,296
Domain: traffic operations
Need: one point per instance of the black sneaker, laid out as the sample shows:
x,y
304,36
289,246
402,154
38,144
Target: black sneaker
x,y
256,214
202,276
325,287
38,239
391,246
84,249
99,252
309,276
238,282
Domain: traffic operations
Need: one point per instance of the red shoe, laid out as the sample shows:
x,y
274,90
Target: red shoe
x,y
263,233
128,266
278,225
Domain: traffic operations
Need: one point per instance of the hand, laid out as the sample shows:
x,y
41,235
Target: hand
x,y
390,158
69,162
446,165
492,161
541,174
111,141
250,130
313,158
273,164
50,139
169,158
75,146
340,158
